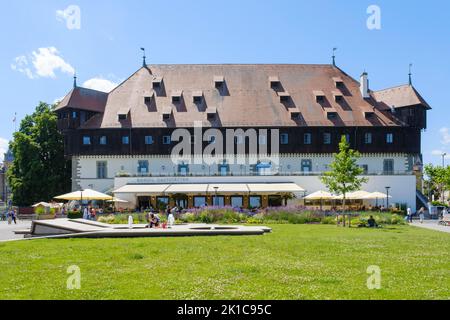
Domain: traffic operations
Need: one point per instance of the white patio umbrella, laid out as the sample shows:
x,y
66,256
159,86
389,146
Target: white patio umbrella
x,y
87,194
377,195
319,195
356,195
117,200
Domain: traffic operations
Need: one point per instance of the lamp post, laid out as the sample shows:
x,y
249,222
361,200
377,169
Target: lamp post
x,y
215,196
443,166
387,197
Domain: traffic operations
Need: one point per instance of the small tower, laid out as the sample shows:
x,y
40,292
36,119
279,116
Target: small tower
x,y
144,64
410,74
334,57
75,80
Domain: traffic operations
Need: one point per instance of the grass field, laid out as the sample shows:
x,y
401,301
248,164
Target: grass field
x,y
293,262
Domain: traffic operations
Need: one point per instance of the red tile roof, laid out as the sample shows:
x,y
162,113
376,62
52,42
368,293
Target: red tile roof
x,y
245,98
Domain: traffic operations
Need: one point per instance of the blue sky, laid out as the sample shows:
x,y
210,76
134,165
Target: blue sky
x,y
39,51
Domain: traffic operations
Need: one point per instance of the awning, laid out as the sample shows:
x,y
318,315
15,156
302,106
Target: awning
x,y
274,187
187,188
209,188
228,187
142,188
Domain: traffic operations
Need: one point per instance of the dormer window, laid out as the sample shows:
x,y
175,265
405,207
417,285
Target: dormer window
x,y
166,114
274,83
219,81
368,113
338,82
211,113
295,115
176,96
156,82
338,97
331,113
284,96
320,96
197,97
148,99
122,114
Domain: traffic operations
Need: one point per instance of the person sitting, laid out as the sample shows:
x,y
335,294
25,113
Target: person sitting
x,y
371,222
154,221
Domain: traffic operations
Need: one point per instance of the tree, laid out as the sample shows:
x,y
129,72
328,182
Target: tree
x,y
285,196
438,179
344,174
39,170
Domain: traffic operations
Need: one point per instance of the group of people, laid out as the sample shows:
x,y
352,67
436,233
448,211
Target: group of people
x,y
10,215
409,215
90,213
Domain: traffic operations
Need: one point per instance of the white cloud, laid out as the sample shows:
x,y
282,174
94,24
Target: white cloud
x,y
71,15
100,84
445,135
4,145
45,62
439,153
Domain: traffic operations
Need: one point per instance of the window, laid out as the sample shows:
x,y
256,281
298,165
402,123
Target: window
x,y
284,138
218,201
388,166
147,99
74,114
166,139
306,165
102,140
199,201
347,137
198,99
102,170
262,139
125,140
255,201
143,166
148,139
368,138
327,138
237,201
389,138
122,117
86,140
176,99
224,169
162,202
239,139
183,169
307,138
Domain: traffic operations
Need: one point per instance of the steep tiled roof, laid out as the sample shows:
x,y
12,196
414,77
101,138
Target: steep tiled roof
x,y
84,99
245,96
401,96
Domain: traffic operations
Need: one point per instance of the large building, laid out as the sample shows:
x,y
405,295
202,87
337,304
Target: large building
x,y
295,115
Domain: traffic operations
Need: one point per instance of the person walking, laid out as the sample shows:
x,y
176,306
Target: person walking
x,y
14,216
85,214
422,214
409,214
9,217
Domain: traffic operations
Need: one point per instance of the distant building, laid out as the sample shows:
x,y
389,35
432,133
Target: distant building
x,y
123,140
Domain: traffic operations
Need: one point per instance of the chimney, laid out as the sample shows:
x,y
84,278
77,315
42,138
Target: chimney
x,y
364,85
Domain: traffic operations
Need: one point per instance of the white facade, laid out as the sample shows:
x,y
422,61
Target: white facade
x,y
103,173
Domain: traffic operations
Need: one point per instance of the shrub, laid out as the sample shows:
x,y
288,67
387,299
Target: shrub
x,y
74,215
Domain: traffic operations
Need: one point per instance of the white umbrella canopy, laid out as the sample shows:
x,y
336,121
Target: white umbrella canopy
x,y
319,195
377,195
357,195
86,194
117,200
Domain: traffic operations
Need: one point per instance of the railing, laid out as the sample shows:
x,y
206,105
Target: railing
x,y
246,174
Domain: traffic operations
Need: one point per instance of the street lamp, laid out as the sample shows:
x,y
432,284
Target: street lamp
x,y
387,197
215,196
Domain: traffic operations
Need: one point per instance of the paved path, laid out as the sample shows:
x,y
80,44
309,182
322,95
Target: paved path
x,y
432,225
7,230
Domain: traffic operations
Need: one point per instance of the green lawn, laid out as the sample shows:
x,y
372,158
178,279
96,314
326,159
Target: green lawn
x,y
294,262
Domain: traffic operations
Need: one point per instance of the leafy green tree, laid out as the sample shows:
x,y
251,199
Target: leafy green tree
x,y
39,170
344,174
438,179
